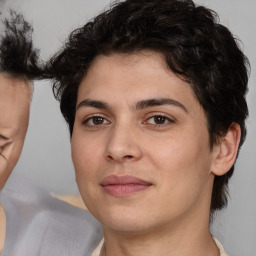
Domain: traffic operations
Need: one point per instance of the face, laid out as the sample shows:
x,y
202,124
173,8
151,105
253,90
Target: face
x,y
140,145
15,95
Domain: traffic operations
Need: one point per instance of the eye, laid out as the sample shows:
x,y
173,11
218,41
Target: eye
x,y
4,142
95,121
159,120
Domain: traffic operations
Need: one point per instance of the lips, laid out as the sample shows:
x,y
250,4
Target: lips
x,y
123,185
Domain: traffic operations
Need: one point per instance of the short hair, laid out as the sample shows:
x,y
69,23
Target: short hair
x,y
195,46
18,57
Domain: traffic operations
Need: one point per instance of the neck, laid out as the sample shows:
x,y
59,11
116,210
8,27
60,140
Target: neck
x,y
191,237
161,245
2,227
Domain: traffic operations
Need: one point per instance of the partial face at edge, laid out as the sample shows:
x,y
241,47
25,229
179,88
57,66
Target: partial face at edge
x,y
163,143
15,97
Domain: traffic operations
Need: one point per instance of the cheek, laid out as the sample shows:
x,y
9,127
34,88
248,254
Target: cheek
x,y
183,173
85,156
4,173
15,152
181,159
12,154
170,152
86,159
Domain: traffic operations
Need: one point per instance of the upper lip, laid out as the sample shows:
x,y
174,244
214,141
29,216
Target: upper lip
x,y
123,180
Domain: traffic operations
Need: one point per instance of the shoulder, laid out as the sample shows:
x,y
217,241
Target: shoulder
x,y
42,225
219,245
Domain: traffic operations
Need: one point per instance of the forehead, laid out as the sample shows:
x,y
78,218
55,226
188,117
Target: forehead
x,y
142,61
15,97
10,85
137,76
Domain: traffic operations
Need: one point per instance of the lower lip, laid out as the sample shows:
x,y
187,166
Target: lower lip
x,y
124,189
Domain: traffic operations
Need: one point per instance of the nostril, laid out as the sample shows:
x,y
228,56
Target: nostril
x,y
109,157
128,157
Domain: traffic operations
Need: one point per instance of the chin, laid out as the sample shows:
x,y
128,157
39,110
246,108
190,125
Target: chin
x,y
125,226
125,220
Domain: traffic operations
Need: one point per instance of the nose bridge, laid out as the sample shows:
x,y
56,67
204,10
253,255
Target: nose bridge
x,y
122,144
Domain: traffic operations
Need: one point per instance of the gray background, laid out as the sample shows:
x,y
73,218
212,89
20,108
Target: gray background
x,y
46,155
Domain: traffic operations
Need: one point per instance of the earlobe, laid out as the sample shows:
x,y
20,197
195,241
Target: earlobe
x,y
225,151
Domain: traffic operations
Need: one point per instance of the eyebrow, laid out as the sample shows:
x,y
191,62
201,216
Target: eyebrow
x,y
159,102
93,103
139,105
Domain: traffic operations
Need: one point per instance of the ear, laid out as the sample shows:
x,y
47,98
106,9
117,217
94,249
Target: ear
x,y
225,150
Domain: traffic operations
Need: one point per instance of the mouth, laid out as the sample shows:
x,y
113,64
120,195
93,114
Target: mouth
x,y
124,185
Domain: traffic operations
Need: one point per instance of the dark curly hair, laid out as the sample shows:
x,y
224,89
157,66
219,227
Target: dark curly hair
x,y
195,46
18,57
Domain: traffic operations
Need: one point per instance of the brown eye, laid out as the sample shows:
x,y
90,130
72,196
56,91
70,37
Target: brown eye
x,y
98,120
95,121
160,119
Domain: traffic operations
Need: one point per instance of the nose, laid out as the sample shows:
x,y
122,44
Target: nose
x,y
123,145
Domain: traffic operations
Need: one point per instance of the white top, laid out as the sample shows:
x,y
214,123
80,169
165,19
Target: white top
x,y
40,225
97,251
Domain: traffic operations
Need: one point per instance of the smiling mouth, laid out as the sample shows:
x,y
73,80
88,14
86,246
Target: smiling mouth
x,y
124,185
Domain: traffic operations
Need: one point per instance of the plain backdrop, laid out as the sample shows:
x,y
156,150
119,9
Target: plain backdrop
x,y
46,155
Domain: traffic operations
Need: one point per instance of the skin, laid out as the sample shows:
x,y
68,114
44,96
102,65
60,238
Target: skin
x,y
15,95
15,98
166,145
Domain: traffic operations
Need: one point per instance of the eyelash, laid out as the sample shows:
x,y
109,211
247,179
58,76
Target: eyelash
x,y
91,118
167,121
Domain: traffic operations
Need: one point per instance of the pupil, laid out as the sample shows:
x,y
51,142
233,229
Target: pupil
x,y
97,120
159,119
